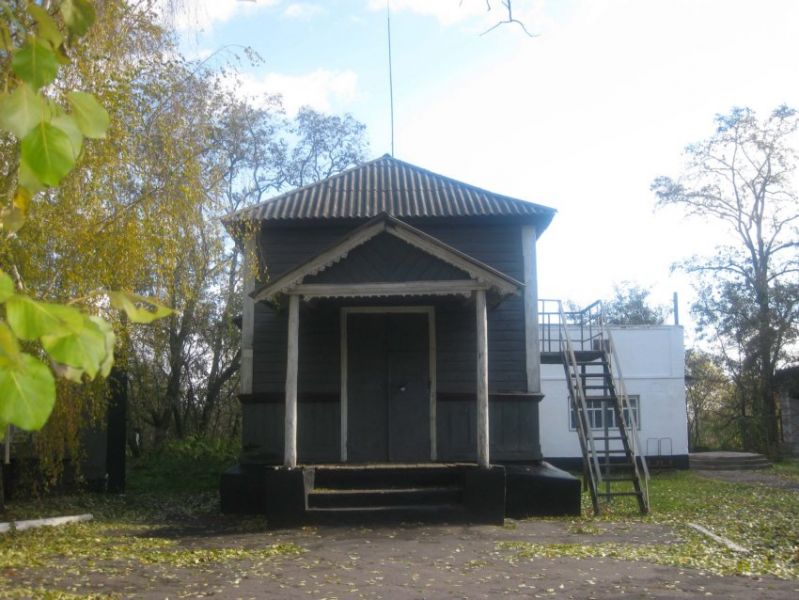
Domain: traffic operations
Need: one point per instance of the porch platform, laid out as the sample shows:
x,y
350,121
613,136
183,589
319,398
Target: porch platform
x,y
556,358
390,492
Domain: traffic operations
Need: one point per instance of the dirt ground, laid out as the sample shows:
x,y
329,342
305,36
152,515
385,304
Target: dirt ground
x,y
413,562
404,561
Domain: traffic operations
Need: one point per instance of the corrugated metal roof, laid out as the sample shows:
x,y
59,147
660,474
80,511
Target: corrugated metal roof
x,y
389,185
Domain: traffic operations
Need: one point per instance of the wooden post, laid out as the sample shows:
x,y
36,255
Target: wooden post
x,y
290,452
482,379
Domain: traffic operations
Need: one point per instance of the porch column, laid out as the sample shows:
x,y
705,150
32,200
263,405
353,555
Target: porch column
x,y
290,435
482,379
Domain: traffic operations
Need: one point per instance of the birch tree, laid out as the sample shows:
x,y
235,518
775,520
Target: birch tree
x,y
742,178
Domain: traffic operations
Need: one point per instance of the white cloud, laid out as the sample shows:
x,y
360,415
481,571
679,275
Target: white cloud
x,y
201,15
321,89
474,13
303,10
447,12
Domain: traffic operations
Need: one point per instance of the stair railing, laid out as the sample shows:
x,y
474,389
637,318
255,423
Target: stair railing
x,y
577,395
639,456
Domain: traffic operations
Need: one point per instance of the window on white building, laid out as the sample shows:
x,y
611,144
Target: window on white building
x,y
599,412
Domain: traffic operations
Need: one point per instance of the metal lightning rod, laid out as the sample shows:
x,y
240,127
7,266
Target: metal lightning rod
x,y
390,74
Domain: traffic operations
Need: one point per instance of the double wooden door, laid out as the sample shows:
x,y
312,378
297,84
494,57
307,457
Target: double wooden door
x,y
388,387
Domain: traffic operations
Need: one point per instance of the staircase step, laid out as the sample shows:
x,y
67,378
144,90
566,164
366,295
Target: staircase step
x,y
382,478
439,513
389,497
728,461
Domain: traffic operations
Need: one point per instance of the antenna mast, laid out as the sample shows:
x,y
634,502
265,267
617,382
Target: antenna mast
x,y
390,75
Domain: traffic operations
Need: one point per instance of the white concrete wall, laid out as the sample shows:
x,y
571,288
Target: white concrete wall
x,y
652,360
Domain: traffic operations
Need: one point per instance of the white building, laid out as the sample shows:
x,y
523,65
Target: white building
x,y
652,360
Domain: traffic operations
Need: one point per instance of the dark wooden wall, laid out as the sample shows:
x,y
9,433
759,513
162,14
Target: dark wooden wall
x,y
514,422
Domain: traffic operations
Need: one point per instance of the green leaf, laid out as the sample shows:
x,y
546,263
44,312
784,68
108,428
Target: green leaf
x,y
78,15
67,124
28,180
66,372
151,310
84,350
47,28
35,63
9,347
110,341
21,110
47,150
91,117
27,393
6,286
30,319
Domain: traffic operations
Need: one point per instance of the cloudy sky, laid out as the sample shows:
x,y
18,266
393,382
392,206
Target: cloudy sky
x,y
580,117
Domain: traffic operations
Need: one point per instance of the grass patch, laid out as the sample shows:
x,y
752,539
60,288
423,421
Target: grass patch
x,y
764,520
170,491
788,468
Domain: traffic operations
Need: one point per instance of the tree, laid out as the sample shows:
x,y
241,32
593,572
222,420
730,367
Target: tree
x,y
709,399
48,129
325,145
140,209
741,178
183,376
629,306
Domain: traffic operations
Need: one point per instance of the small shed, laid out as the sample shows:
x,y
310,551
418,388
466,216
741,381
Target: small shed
x,y
392,344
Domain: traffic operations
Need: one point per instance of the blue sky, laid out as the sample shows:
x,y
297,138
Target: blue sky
x,y
580,118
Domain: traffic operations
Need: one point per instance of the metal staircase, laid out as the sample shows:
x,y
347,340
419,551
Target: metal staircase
x,y
613,462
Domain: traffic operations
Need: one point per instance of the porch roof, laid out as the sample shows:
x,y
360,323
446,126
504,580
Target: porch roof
x,y
480,275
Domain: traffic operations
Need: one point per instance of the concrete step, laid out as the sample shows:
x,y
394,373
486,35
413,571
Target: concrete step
x,y
389,497
383,478
441,513
728,461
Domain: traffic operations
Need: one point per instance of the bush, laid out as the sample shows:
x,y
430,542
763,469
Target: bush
x,y
190,464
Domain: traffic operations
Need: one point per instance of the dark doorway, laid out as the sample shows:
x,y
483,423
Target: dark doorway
x,y
388,395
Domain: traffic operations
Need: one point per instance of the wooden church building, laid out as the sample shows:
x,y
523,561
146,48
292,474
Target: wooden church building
x,y
390,360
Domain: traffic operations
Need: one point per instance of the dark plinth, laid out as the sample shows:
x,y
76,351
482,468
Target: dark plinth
x,y
242,490
447,493
484,494
540,490
286,493
276,492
